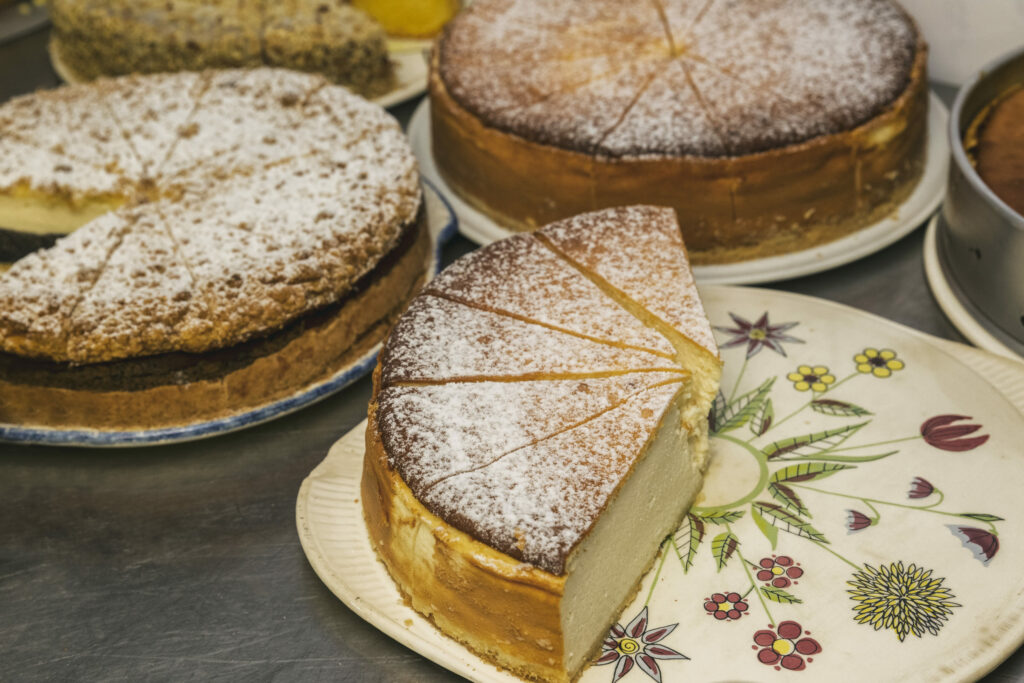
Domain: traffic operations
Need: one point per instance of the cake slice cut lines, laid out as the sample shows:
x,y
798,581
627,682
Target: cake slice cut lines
x,y
439,340
144,296
41,292
25,165
153,113
461,426
544,292
624,248
537,502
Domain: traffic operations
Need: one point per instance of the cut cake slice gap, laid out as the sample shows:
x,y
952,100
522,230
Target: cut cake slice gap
x,y
441,340
544,292
461,426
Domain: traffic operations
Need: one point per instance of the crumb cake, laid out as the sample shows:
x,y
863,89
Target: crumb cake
x,y
543,398
769,127
995,145
234,237
93,38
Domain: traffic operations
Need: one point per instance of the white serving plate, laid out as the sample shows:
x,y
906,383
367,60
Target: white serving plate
x,y
976,488
441,222
410,73
922,202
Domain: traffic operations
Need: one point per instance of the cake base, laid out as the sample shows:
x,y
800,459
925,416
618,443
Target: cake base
x,y
179,389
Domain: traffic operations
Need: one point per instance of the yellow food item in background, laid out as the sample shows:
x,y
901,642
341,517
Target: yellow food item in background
x,y
410,18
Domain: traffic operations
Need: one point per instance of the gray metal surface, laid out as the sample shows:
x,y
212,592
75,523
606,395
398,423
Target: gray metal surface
x,y
982,238
182,563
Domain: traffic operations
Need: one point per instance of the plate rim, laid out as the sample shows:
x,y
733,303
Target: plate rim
x,y
925,200
967,320
317,391
457,658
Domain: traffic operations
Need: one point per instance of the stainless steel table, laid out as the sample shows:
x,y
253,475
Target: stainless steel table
x,y
182,562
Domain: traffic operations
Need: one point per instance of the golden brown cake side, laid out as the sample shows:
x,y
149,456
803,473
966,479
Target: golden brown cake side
x,y
730,209
473,593
185,388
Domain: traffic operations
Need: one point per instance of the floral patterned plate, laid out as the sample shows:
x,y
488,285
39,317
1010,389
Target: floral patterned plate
x,y
850,525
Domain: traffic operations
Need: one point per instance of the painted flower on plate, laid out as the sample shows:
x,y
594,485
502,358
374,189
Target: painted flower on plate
x,y
779,572
758,335
856,520
940,432
725,606
984,544
808,377
920,488
784,647
635,644
879,363
905,599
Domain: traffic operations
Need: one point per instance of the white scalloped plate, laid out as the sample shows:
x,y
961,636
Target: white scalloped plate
x,y
410,73
976,601
442,224
922,202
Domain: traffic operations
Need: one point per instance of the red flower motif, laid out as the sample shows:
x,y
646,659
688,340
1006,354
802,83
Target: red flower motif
x,y
725,606
784,648
941,433
920,488
855,521
984,544
779,572
637,644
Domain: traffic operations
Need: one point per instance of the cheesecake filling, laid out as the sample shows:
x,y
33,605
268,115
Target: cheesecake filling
x,y
624,540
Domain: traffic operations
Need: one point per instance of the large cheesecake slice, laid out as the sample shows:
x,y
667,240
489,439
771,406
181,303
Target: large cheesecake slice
x,y
538,426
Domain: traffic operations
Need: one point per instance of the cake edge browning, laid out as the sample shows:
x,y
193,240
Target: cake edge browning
x,y
730,208
328,344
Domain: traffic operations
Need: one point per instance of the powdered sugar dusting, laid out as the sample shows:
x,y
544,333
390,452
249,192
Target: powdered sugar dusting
x,y
279,192
771,72
40,292
521,276
455,427
143,302
437,339
537,503
639,251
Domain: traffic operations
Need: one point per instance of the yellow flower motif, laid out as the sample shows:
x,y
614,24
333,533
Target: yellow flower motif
x,y
807,377
879,363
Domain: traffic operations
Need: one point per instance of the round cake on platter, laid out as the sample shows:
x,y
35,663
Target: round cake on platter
x,y
93,38
544,398
235,236
769,127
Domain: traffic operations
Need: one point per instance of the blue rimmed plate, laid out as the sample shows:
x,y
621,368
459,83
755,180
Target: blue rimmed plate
x,y
442,224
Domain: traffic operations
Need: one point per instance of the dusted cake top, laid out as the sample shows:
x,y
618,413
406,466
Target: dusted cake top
x,y
252,197
515,416
677,77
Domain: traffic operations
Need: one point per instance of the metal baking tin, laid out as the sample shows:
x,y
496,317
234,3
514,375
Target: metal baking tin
x,y
981,239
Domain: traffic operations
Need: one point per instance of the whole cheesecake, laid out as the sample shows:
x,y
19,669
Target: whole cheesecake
x,y
768,126
237,236
540,401
93,38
